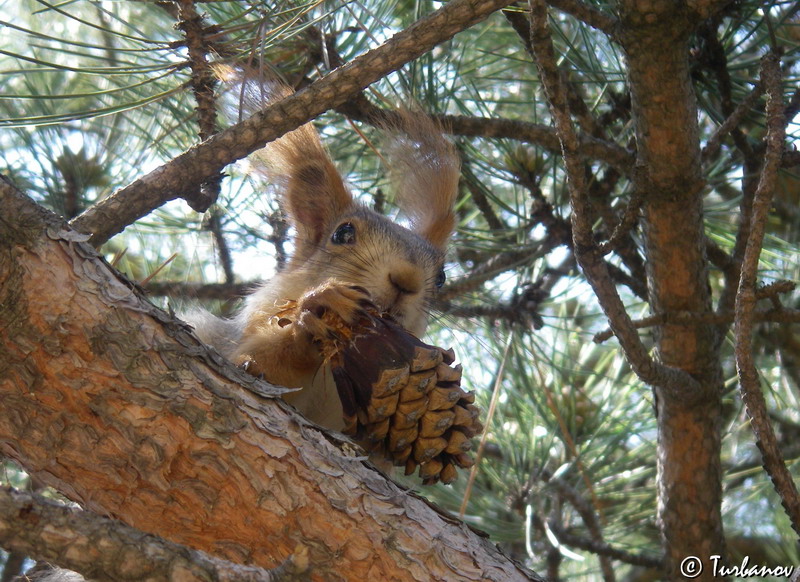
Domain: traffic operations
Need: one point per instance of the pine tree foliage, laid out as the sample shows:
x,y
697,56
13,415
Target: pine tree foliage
x,y
96,94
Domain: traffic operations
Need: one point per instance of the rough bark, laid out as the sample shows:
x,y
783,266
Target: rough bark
x,y
118,406
107,549
655,37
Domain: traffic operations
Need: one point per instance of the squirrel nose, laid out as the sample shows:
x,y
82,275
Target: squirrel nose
x,y
406,279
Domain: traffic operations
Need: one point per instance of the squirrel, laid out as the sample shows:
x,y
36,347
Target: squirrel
x,y
345,255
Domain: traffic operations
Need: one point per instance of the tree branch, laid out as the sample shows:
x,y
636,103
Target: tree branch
x,y
117,405
590,520
732,122
112,214
107,549
604,549
203,82
586,252
586,13
202,291
749,383
361,109
705,318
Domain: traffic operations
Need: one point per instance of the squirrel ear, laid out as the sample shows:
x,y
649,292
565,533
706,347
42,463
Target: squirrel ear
x,y
313,192
424,168
310,187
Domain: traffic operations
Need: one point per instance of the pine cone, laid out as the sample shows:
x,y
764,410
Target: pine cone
x,y
400,396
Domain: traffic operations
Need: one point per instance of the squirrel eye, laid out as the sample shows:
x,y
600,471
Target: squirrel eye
x,y
345,234
440,278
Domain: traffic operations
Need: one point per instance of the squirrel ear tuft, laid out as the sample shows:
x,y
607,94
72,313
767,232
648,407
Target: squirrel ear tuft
x,y
311,190
313,193
424,168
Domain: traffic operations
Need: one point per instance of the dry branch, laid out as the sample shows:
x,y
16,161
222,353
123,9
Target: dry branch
x,y
117,405
749,383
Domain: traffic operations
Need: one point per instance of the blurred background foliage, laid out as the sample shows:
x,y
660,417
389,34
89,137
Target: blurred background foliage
x,y
95,93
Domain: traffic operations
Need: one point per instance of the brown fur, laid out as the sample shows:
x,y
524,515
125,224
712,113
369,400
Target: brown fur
x,y
393,266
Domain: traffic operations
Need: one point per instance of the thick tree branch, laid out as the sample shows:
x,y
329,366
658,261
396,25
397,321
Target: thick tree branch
x,y
106,549
117,405
749,382
111,215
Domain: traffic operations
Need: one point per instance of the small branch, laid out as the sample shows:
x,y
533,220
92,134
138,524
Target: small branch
x,y
790,159
793,107
213,223
204,82
14,566
714,57
732,122
586,13
543,135
72,538
498,263
589,517
629,218
586,252
721,259
112,214
280,236
691,318
749,383
478,192
520,22
361,109
604,549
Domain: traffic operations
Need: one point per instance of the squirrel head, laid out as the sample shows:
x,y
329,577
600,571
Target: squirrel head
x,y
338,238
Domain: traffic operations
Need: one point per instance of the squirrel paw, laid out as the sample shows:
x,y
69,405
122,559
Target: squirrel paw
x,y
347,302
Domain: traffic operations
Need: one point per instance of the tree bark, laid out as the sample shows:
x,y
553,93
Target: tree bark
x,y
117,405
106,549
655,37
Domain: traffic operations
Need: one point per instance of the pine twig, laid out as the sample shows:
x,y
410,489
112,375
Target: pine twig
x,y
203,81
749,383
361,109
